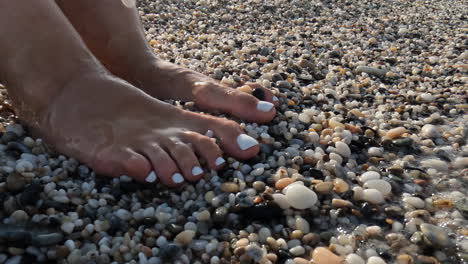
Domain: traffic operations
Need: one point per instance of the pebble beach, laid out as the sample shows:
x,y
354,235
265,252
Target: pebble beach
x,y
366,161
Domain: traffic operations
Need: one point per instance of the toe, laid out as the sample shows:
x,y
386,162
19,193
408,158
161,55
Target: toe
x,y
206,148
242,105
164,167
185,159
138,167
233,140
115,163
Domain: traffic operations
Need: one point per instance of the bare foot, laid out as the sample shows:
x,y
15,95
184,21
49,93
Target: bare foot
x,y
117,129
68,98
114,34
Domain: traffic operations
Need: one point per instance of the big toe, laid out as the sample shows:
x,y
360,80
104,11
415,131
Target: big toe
x,y
214,97
233,139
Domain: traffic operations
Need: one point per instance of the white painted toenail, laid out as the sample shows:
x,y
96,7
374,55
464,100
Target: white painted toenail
x,y
219,161
151,177
177,178
275,99
264,106
244,141
196,171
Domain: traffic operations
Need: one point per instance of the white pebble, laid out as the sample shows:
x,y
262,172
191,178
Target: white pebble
x,y
302,224
436,164
376,260
148,212
374,230
70,245
297,251
343,149
373,196
369,175
427,97
354,259
382,186
281,201
375,152
300,197
67,227
430,131
305,118
415,202
24,166
123,214
460,163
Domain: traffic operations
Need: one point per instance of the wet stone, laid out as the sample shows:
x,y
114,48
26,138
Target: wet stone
x,y
436,236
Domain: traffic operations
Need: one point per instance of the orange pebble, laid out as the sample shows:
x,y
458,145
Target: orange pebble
x,y
282,183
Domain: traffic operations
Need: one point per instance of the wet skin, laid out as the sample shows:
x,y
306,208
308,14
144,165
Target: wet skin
x,y
69,98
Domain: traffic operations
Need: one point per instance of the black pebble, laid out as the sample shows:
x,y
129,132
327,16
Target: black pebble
x,y
262,211
259,93
169,252
30,195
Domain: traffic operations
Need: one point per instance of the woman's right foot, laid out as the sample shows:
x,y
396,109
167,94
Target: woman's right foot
x,y
116,129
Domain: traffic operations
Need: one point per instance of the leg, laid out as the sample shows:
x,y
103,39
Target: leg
x,y
68,98
114,33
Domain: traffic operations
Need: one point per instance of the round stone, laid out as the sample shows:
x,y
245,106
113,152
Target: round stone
x,y
395,133
19,216
281,201
300,197
67,227
340,186
282,183
185,237
382,186
369,175
430,131
436,236
373,196
322,255
354,259
416,202
230,187
343,149
376,260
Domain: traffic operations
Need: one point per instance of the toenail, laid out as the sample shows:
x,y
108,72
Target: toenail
x,y
219,161
151,177
244,141
275,99
264,106
196,171
177,178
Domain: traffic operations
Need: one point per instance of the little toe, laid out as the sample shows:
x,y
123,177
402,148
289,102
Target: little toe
x,y
164,167
185,159
115,163
206,148
242,105
138,167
